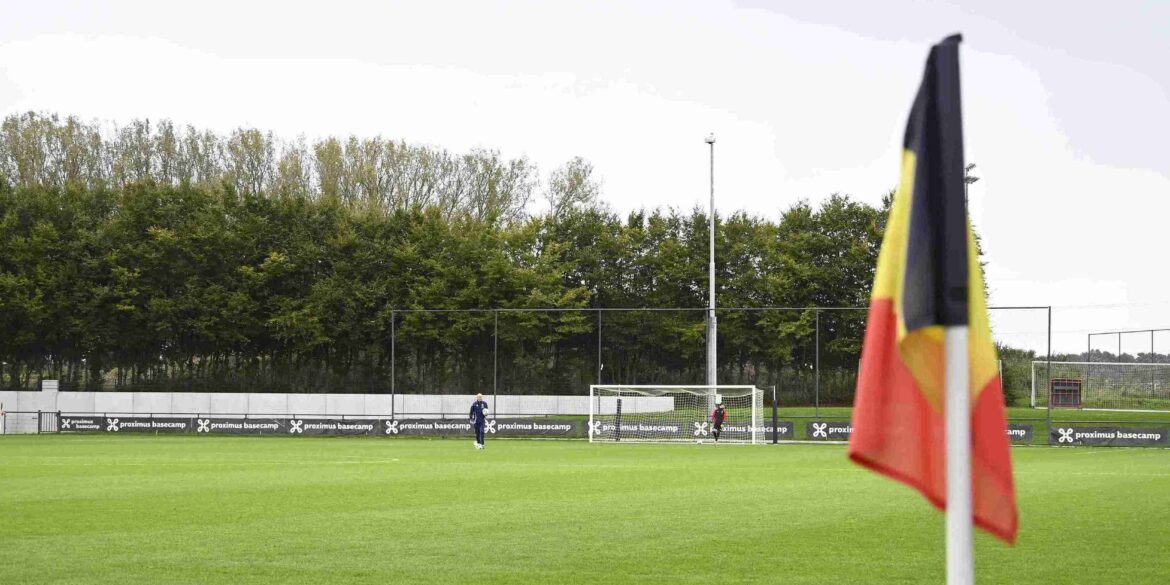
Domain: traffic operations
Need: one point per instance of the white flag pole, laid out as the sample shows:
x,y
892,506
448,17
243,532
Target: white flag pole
x,y
960,541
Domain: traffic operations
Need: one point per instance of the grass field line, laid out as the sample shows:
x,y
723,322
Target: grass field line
x,y
237,463
1084,451
491,463
844,467
1093,473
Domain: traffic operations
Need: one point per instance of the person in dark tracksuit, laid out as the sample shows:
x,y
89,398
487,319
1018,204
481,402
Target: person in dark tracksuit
x,y
479,410
717,417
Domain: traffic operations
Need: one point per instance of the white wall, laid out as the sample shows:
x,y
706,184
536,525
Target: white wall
x,y
404,405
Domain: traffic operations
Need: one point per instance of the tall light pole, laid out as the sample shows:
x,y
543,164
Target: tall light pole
x,y
711,328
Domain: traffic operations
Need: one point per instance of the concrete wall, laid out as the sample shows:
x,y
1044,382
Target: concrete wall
x,y
404,405
18,423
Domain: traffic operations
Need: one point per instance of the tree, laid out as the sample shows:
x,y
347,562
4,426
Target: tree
x,y
572,187
496,190
293,177
250,158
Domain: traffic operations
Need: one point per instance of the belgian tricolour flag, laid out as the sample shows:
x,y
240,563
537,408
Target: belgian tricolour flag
x,y
929,279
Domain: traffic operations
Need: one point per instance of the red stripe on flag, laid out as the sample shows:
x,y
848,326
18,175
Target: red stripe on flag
x,y
897,433
993,488
895,430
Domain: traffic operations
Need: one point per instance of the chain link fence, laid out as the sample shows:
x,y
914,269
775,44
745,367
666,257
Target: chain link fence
x,y
810,355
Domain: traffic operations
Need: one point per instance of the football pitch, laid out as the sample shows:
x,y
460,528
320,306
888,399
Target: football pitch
x,y
156,509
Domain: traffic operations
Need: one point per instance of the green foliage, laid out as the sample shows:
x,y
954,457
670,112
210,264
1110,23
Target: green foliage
x,y
1017,374
155,257
41,150
184,287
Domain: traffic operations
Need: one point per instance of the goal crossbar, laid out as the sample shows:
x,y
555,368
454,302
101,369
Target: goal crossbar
x,y
672,387
1126,364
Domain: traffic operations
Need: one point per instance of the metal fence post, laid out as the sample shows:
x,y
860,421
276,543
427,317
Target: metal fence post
x,y
775,418
1088,358
393,371
817,363
495,359
599,364
1048,367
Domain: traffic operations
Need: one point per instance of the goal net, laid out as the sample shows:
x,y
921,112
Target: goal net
x,y
1105,385
665,414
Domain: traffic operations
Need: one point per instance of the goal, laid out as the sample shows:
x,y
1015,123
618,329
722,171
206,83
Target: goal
x,y
669,414
1105,385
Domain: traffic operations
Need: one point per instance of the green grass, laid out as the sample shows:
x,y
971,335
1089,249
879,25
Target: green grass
x,y
157,509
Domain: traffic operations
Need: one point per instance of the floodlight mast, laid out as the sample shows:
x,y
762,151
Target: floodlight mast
x,y
711,324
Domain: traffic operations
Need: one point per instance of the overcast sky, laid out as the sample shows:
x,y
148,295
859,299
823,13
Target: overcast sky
x,y
1067,108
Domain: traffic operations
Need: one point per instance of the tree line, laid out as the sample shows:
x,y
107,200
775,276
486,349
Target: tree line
x,y
43,150
138,261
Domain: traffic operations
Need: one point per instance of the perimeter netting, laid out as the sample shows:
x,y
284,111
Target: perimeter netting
x,y
1101,385
675,414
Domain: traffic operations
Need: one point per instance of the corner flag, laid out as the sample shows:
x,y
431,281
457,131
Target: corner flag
x,y
929,285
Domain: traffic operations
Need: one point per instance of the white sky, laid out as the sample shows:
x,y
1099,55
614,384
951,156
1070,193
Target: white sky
x,y
1067,107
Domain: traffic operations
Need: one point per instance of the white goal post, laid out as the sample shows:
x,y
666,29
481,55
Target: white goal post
x,y
674,414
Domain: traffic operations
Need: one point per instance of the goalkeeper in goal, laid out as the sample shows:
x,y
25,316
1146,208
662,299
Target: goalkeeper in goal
x,y
718,416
